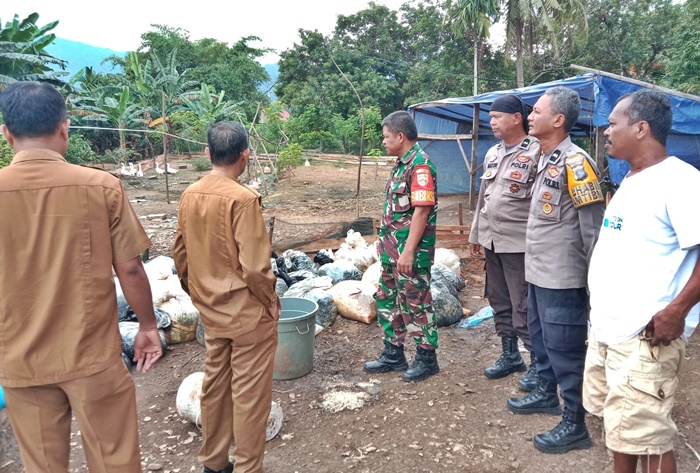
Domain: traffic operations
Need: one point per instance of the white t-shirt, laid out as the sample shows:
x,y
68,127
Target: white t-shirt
x,y
647,249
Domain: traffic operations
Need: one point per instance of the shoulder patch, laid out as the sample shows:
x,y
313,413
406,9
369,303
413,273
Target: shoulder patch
x,y
582,181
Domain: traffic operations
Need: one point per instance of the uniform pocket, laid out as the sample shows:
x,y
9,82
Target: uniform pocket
x,y
400,200
566,328
548,205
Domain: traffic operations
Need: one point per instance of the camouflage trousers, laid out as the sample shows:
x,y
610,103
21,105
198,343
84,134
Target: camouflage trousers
x,y
405,305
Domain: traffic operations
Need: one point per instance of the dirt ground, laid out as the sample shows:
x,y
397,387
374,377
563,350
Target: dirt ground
x,y
455,421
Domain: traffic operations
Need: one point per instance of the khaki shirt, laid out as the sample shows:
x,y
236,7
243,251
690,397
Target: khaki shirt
x,y
560,237
222,255
62,228
500,217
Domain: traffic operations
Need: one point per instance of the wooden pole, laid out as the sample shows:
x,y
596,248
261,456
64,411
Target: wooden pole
x,y
475,158
272,227
460,215
600,150
165,153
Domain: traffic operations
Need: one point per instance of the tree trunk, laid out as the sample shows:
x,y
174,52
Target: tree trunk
x,y
519,53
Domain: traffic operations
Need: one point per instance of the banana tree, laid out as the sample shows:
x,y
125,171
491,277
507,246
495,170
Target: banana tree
x,y
205,102
121,113
22,52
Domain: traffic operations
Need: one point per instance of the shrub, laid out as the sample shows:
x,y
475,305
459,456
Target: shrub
x,y
201,164
6,152
290,156
79,150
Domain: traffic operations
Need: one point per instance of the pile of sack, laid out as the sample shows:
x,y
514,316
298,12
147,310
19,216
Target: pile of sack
x,y
177,318
345,282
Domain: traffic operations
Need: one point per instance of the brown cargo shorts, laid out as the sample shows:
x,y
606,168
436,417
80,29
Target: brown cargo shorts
x,y
632,386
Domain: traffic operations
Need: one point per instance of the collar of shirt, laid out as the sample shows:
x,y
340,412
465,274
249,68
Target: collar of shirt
x,y
216,172
406,158
37,155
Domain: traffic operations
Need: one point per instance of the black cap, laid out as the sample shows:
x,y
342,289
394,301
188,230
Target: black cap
x,y
511,104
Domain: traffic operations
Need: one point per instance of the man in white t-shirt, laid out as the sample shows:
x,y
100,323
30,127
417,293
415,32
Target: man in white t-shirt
x,y
644,281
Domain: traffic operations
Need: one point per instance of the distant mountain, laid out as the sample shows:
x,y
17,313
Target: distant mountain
x,y
273,71
79,55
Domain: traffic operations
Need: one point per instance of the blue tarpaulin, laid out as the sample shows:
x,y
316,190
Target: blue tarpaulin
x,y
454,116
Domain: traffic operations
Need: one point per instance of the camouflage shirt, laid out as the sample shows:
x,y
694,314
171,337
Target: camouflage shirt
x,y
413,183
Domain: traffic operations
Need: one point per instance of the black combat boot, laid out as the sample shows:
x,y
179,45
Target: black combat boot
x,y
528,382
509,362
543,399
392,358
424,365
228,469
570,434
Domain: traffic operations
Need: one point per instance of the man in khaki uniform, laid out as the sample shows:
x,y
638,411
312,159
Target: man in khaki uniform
x,y
63,229
565,217
222,255
500,220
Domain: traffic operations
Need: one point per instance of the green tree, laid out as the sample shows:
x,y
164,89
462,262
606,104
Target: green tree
x,y
557,19
631,37
234,70
472,19
118,112
22,52
683,57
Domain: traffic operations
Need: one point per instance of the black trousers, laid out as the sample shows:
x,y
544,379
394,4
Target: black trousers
x,y
506,290
558,323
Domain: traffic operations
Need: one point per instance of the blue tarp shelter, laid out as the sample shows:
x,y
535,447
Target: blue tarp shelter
x,y
446,127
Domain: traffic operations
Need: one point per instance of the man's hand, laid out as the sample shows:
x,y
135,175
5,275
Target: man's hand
x,y
475,250
147,349
405,262
666,325
274,308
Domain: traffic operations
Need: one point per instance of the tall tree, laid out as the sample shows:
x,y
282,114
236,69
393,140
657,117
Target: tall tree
x,y
684,56
631,37
522,18
472,19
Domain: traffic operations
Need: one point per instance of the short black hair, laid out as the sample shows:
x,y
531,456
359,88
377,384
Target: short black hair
x,y
401,122
567,102
226,140
653,107
32,109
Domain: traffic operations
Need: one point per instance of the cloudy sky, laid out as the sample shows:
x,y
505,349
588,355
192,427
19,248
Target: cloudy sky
x,y
118,25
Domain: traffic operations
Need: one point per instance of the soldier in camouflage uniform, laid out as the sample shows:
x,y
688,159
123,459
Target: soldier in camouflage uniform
x,y
407,242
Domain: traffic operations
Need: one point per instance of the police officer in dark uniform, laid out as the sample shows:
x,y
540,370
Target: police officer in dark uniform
x,y
500,221
565,217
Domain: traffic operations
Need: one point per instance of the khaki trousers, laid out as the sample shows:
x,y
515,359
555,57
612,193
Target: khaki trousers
x,y
236,397
104,406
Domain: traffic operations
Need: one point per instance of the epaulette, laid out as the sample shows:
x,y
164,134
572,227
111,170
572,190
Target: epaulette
x,y
525,143
554,157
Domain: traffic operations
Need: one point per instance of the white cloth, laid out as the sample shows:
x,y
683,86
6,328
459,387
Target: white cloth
x,y
646,250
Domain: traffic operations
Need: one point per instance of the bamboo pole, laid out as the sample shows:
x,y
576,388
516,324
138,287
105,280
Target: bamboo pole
x,y
165,154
